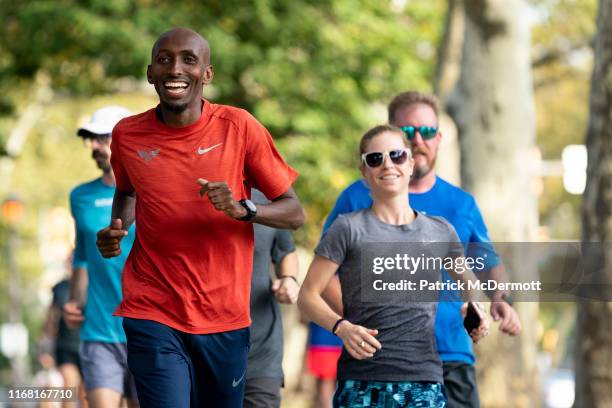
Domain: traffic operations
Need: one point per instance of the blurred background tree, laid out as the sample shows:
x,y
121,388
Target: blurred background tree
x,y
594,351
497,138
562,58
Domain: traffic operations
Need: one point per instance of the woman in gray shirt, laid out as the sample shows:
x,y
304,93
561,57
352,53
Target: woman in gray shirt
x,y
389,357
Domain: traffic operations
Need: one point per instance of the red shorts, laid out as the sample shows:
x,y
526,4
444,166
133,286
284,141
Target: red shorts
x,y
323,362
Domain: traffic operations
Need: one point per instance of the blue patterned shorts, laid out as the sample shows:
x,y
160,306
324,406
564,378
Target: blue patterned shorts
x,y
382,394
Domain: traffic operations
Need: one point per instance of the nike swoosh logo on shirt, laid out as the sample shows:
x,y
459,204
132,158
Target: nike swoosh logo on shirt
x,y
208,149
236,383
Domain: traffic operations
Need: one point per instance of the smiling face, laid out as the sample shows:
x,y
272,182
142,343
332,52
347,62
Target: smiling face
x,y
180,66
424,151
388,179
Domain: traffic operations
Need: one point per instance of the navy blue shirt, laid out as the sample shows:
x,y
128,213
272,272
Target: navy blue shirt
x,y
460,210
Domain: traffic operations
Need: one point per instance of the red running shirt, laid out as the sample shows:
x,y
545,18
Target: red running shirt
x,y
190,266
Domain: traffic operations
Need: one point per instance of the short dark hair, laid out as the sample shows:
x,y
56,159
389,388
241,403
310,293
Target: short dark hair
x,y
205,45
377,130
409,98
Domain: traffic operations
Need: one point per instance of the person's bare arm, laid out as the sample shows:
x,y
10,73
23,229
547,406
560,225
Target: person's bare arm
x,y
49,332
50,326
124,207
500,309
310,301
498,274
73,309
123,214
333,295
288,266
284,212
286,288
78,286
359,341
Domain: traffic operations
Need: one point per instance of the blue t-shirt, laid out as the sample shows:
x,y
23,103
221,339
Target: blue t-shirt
x,y
91,205
458,208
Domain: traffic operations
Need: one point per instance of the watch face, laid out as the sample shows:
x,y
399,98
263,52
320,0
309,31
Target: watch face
x,y
250,206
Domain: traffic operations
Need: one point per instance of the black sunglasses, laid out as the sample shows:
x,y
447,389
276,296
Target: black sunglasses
x,y
375,159
426,132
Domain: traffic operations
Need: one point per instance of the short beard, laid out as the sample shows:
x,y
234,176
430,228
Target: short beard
x,y
420,173
180,108
103,164
105,167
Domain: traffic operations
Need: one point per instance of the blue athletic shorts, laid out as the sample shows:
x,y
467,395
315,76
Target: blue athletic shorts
x,y
380,394
177,369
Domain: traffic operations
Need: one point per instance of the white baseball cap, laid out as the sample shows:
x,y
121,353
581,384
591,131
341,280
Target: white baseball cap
x,y
103,121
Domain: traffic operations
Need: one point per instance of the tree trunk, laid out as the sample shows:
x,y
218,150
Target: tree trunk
x,y
594,340
493,107
449,51
447,73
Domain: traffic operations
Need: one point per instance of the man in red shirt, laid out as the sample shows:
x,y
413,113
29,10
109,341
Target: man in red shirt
x,y
184,171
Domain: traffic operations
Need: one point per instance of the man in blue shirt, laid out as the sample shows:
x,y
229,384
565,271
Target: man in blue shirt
x,y
417,115
96,282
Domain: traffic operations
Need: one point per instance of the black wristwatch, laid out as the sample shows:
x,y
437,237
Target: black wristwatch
x,y
250,208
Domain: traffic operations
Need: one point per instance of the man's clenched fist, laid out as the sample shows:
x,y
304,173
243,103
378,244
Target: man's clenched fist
x,y
220,195
109,239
